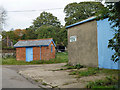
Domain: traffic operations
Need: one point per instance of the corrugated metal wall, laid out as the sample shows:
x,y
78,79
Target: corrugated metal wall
x,y
105,33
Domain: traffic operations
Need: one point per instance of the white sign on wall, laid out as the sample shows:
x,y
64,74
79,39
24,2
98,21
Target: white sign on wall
x,y
73,38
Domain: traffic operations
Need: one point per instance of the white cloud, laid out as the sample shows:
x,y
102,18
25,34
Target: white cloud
x,y
24,19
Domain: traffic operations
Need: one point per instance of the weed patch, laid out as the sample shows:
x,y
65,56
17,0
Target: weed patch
x,y
44,84
108,82
78,66
73,73
90,71
36,80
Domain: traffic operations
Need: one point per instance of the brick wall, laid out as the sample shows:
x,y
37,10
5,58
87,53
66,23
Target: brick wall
x,y
36,53
52,54
46,53
21,53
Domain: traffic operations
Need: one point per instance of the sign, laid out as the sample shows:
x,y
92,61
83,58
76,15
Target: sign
x,y
73,38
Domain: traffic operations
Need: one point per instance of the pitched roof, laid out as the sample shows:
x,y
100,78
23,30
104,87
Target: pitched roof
x,y
35,42
83,21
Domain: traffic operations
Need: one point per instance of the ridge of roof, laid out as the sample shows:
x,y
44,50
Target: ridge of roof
x,y
83,21
37,39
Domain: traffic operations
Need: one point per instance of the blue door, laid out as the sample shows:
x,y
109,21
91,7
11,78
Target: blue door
x,y
29,54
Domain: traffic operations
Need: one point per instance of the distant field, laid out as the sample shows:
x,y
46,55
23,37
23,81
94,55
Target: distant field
x,y
61,57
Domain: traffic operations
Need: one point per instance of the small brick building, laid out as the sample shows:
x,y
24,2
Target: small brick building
x,y
38,49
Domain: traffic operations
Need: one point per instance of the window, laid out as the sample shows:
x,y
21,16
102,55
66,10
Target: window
x,y
51,48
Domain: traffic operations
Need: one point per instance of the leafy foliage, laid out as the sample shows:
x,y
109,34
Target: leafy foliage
x,y
114,17
46,19
30,34
48,26
14,36
113,13
58,34
76,12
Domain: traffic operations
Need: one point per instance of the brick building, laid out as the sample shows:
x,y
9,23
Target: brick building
x,y
38,49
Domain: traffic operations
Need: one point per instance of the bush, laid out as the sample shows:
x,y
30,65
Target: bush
x,y
8,55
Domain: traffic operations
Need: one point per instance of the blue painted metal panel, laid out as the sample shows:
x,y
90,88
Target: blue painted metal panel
x,y
40,52
105,33
30,46
29,54
51,48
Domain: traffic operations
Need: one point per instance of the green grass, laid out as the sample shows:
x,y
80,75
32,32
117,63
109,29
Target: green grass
x,y
108,82
60,58
44,84
109,71
36,81
92,71
77,66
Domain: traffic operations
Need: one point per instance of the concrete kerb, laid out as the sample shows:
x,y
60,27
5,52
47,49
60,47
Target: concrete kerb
x,y
34,82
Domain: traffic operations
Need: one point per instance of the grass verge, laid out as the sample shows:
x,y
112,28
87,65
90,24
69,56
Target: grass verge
x,y
108,82
60,58
92,71
88,72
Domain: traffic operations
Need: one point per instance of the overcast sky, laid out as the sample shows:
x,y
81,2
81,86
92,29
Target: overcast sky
x,y
22,20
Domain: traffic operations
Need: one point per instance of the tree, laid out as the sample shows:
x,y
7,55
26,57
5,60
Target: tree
x,y
76,12
30,33
46,19
62,36
3,15
8,37
47,26
59,35
114,17
13,36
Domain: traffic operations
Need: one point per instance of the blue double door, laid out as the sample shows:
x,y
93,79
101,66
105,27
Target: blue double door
x,y
29,54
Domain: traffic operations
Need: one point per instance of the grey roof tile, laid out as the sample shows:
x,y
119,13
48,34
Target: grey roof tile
x,y
39,42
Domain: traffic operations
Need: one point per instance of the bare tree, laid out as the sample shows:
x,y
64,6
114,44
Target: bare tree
x,y
3,15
